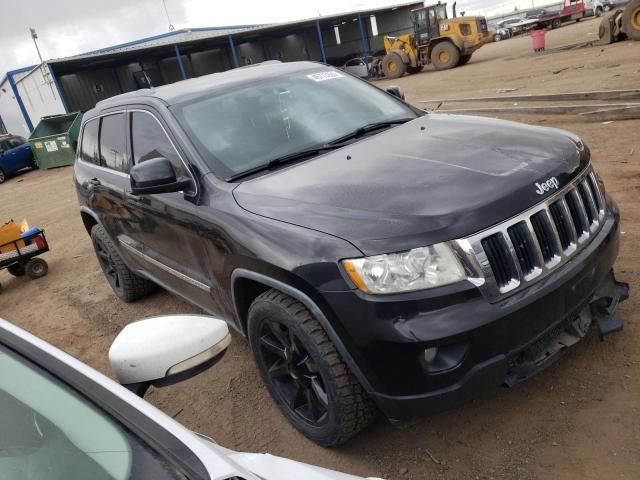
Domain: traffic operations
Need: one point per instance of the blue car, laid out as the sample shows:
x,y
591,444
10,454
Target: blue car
x,y
15,154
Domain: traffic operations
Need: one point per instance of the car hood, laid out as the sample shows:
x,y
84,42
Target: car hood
x,y
436,178
270,467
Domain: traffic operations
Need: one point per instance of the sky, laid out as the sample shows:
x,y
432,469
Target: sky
x,y
69,27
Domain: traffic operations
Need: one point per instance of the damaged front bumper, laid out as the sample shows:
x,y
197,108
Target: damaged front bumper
x,y
601,310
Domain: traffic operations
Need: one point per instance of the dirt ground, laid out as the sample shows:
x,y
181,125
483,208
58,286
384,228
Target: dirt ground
x,y
578,419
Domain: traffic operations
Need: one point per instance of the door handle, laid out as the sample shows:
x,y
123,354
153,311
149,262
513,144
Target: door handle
x,y
95,182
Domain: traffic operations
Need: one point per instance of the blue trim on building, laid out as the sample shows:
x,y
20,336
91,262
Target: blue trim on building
x,y
165,35
14,88
59,89
180,64
324,54
234,55
363,43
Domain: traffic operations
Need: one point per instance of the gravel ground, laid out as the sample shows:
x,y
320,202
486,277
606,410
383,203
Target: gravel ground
x,y
578,419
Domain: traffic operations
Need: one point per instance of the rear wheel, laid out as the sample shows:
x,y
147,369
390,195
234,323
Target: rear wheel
x,y
2,176
125,283
631,20
36,268
304,373
445,55
464,59
17,269
393,66
556,23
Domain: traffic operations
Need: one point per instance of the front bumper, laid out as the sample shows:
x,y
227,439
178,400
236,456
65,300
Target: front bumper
x,y
481,344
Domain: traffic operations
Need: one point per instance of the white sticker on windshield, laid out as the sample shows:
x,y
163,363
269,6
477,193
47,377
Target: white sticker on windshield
x,y
322,76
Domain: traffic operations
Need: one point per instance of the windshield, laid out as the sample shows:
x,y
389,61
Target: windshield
x,y
249,126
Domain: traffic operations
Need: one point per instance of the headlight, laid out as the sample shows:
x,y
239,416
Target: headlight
x,y
417,269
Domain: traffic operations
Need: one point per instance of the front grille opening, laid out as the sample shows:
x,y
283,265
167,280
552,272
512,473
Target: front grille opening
x,y
589,202
544,232
500,260
596,192
561,221
524,246
577,213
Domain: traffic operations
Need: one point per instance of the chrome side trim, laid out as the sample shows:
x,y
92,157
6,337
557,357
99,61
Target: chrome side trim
x,y
153,261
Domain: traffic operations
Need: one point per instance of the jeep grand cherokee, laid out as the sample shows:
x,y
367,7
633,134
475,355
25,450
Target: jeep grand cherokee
x,y
378,258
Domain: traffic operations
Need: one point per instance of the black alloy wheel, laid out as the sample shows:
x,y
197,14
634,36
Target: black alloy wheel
x,y
294,373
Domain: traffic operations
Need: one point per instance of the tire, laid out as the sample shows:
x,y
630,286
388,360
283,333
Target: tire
x,y
631,20
598,13
414,70
2,176
445,55
497,37
36,268
608,8
127,285
464,59
304,373
556,23
393,66
17,269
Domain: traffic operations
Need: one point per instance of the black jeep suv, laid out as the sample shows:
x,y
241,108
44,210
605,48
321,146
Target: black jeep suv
x,y
378,258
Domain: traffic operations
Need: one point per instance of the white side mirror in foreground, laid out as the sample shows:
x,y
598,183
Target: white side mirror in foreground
x,y
165,350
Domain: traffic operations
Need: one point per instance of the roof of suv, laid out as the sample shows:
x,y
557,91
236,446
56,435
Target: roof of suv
x,y
194,87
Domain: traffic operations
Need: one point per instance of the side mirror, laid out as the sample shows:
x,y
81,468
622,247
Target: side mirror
x,y
164,350
155,175
396,91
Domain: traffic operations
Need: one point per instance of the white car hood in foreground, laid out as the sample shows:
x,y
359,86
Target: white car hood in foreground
x,y
271,467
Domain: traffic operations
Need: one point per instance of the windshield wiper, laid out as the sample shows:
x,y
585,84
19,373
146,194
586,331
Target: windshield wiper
x,y
317,150
370,127
291,157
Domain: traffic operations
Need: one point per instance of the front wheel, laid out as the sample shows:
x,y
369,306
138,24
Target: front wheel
x,y
304,373
556,23
36,268
445,55
631,20
497,37
598,12
393,66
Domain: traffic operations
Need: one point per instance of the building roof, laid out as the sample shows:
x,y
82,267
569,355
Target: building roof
x,y
190,34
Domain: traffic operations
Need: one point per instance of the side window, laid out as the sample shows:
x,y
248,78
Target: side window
x,y
89,147
4,146
113,142
148,140
15,142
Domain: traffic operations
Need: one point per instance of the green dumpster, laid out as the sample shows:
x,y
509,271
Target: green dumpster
x,y
54,140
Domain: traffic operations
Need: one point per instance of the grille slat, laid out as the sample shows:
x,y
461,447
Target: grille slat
x,y
578,213
500,259
588,201
523,244
541,239
546,238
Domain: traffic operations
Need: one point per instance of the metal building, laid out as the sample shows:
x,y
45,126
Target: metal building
x,y
77,83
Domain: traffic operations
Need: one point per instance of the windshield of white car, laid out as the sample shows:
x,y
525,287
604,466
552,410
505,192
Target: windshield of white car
x,y
243,129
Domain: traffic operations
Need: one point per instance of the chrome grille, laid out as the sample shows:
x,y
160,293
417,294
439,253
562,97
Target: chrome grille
x,y
515,253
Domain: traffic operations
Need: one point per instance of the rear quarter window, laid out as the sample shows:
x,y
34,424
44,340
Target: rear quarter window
x,y
89,146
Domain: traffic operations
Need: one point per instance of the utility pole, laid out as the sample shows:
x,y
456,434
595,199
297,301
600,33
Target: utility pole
x,y
43,70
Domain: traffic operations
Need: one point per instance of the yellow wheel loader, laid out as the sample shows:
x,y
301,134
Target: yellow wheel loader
x,y
621,24
436,39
